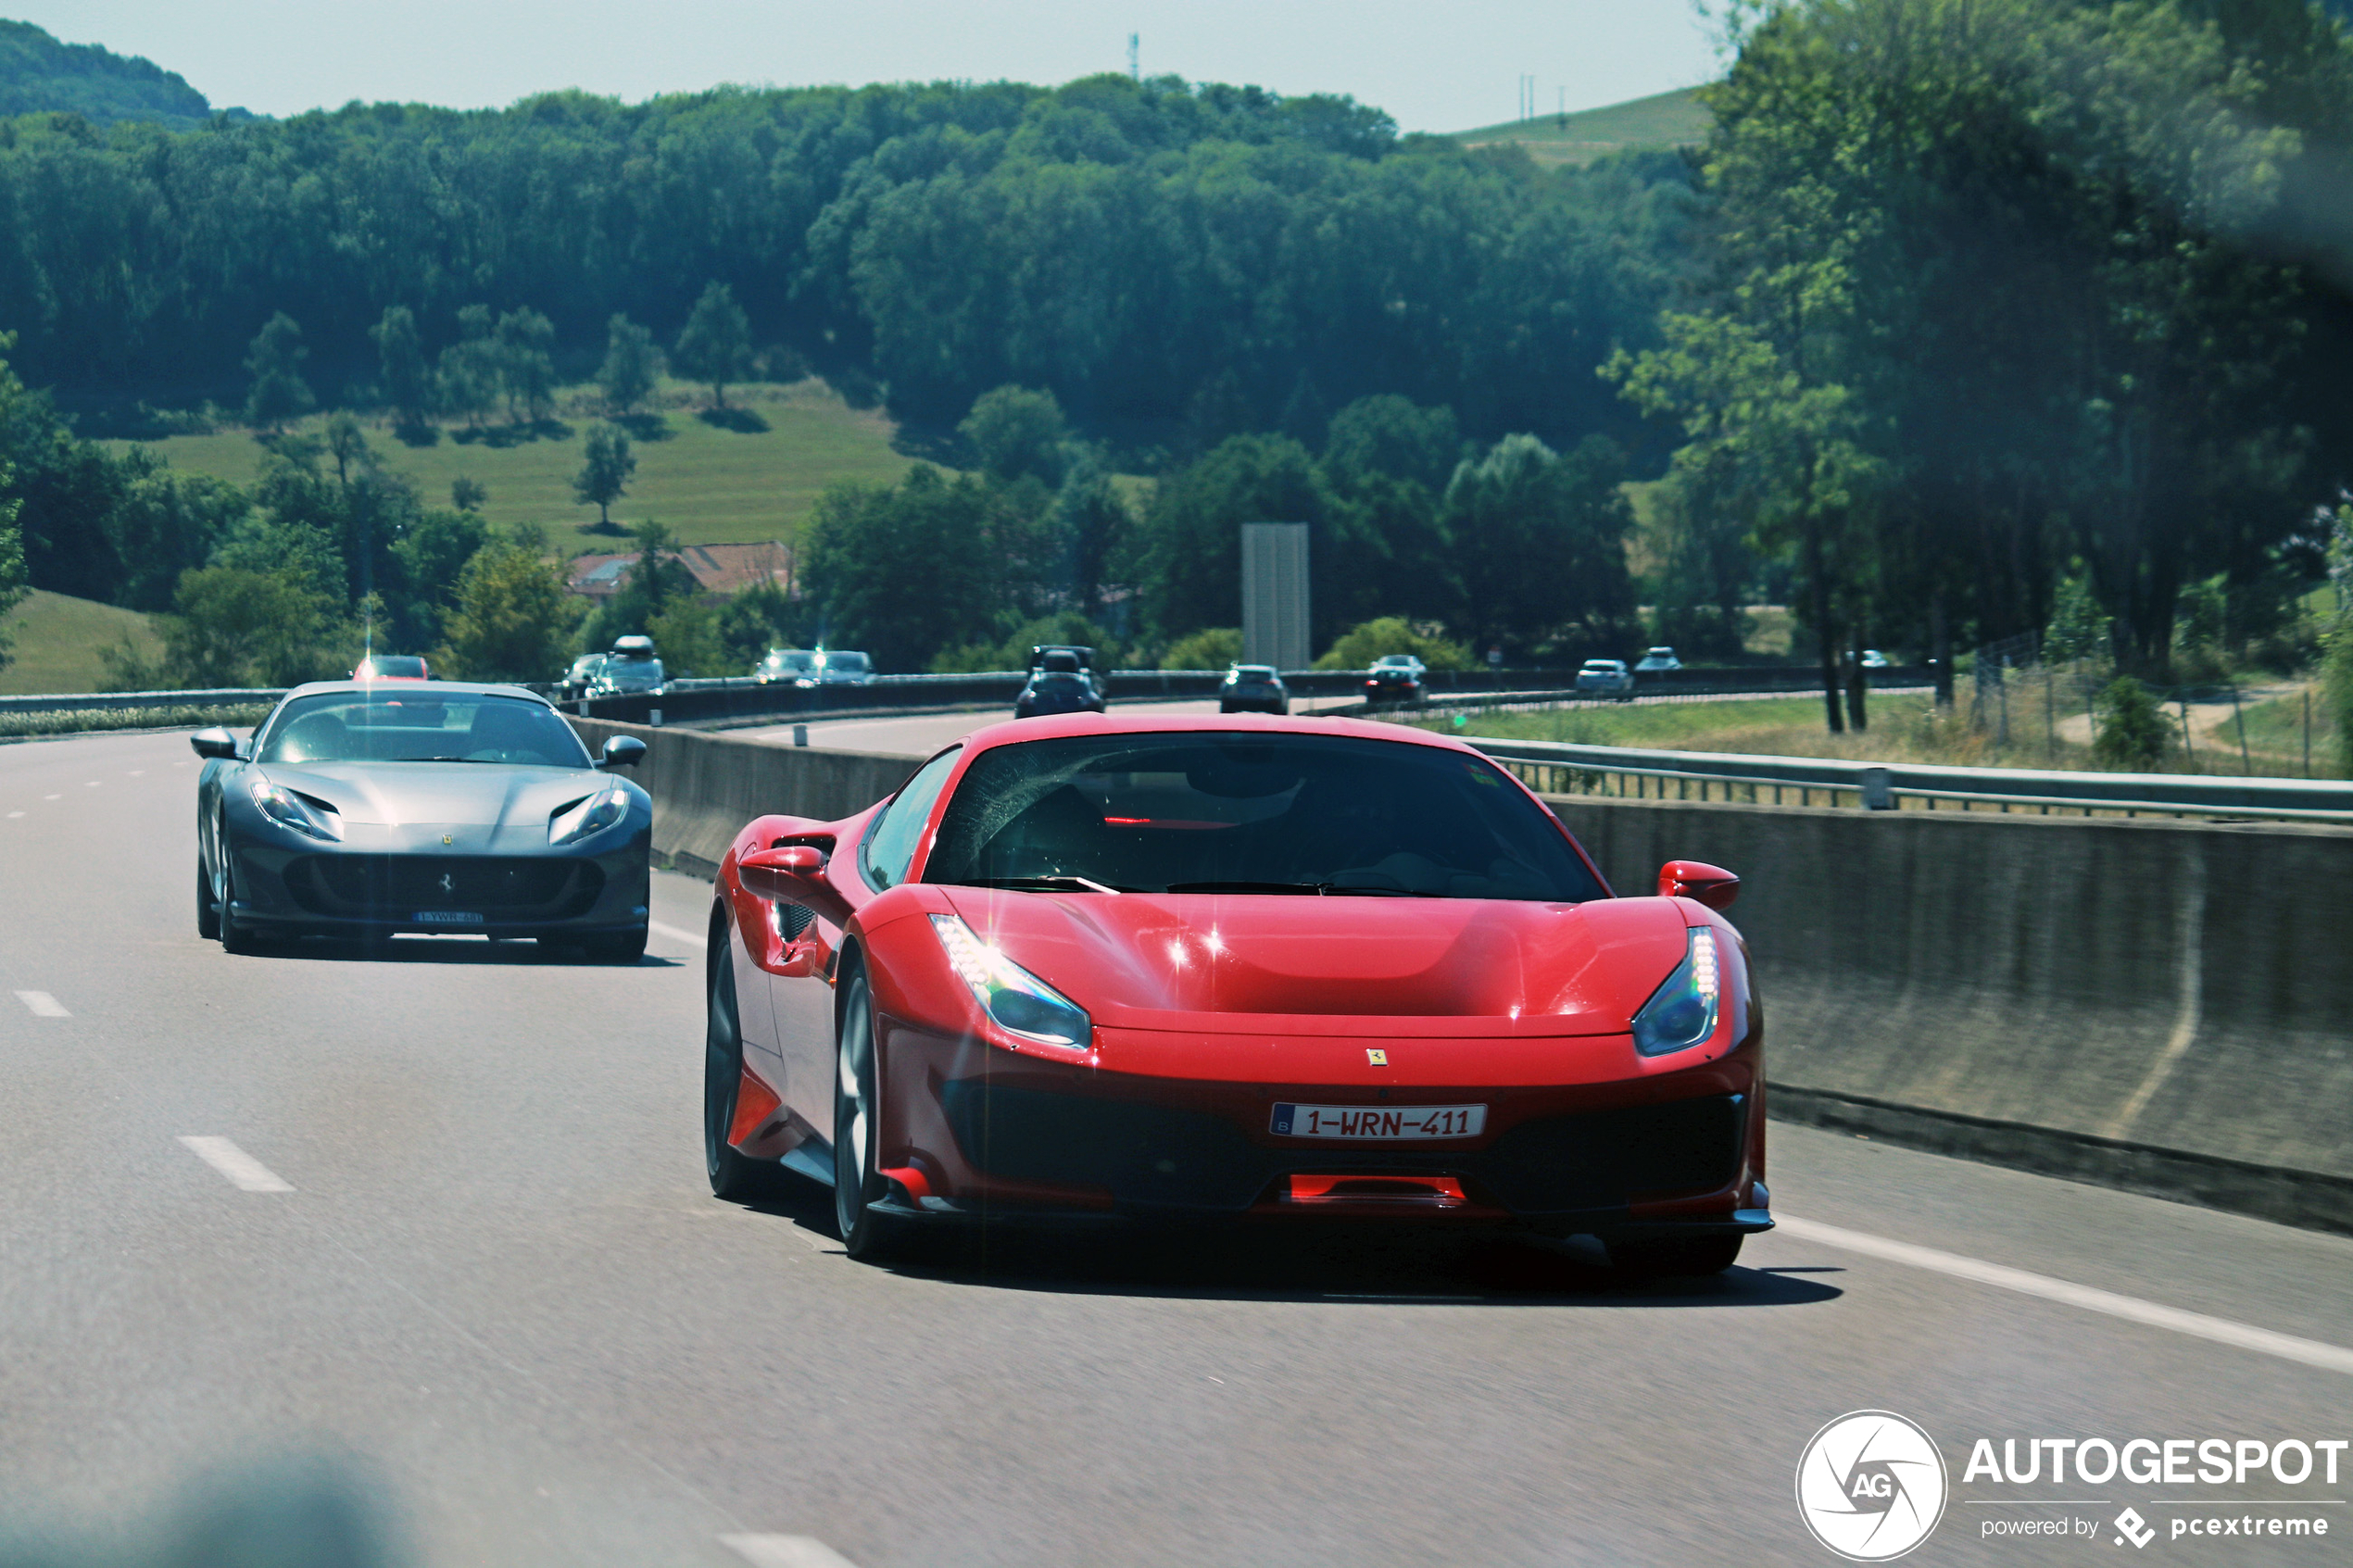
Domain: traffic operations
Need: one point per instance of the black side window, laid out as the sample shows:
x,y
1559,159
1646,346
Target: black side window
x,y
890,844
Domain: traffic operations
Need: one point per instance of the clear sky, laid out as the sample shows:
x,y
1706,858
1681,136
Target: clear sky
x,y
1436,65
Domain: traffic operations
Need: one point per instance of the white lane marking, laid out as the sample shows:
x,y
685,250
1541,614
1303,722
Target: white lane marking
x,y
2222,1331
53,798
92,785
676,933
785,1551
236,1164
16,813
137,773
42,1004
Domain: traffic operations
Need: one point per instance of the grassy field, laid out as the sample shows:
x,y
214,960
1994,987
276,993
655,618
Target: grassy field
x,y
57,641
752,479
1663,120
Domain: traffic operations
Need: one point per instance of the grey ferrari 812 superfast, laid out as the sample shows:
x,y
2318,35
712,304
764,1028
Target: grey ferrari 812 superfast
x,y
365,809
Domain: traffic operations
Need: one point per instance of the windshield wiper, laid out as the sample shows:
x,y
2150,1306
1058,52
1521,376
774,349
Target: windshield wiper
x,y
1045,885
1321,889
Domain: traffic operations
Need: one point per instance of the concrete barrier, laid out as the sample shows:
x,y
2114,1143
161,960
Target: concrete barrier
x,y
2161,1007
2157,1005
706,786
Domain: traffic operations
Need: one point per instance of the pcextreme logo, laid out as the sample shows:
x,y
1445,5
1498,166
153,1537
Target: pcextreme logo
x,y
1871,1486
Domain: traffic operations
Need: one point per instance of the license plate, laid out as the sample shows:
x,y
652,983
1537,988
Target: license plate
x,y
1378,1123
448,917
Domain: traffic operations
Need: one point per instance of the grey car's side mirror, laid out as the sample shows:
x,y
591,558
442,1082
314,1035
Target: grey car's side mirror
x,y
622,751
216,742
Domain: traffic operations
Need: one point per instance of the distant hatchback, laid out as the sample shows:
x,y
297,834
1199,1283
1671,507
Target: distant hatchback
x,y
1253,688
1657,661
1396,677
1605,677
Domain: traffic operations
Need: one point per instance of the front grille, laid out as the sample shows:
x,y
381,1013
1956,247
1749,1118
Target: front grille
x,y
1601,1159
1145,1154
395,887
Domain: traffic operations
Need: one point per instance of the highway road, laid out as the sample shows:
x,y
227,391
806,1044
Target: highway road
x,y
921,734
454,1225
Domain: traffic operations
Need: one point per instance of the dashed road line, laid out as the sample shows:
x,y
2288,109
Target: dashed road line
x,y
241,1167
2222,1331
53,798
676,933
42,1004
785,1551
16,813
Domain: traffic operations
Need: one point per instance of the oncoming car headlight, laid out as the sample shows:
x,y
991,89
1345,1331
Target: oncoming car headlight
x,y
288,809
594,814
1682,1011
1019,1002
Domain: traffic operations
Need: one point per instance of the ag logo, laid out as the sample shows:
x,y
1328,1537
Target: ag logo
x,y
1871,1485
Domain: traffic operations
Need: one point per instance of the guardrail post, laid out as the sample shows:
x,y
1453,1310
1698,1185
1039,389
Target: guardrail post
x,y
1879,792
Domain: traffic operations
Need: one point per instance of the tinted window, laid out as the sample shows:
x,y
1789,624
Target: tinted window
x,y
414,727
1211,812
890,842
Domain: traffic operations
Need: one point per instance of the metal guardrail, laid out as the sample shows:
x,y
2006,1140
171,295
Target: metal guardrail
x,y
1565,768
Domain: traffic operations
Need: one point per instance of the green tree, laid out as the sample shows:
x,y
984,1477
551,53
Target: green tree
x,y
275,360
1185,556
906,570
432,555
763,616
655,581
526,341
347,444
167,524
468,373
512,619
1212,647
2134,735
231,626
632,366
1540,537
688,636
467,493
14,584
1014,431
604,471
406,379
715,345
1360,646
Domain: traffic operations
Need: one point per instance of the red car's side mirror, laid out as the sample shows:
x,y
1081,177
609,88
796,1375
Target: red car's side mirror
x,y
1712,886
796,875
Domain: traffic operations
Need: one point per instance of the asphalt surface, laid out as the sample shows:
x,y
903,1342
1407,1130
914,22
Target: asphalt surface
x,y
479,1258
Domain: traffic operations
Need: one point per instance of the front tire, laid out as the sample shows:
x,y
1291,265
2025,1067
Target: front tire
x,y
624,950
207,912
732,1175
858,1184
1690,1258
235,938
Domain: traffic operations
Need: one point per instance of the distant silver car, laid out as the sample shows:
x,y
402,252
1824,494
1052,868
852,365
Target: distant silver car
x,y
1657,661
1605,677
787,666
841,666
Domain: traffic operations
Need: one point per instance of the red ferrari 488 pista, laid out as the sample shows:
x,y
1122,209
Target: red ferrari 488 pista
x,y
1240,966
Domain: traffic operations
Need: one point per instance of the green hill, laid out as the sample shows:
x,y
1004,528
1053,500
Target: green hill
x,y
55,641
753,480
1663,120
38,73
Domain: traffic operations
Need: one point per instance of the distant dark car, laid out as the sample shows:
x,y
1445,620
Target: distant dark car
x,y
581,678
1253,688
842,667
1059,683
1657,661
631,670
1080,651
392,666
364,808
1396,677
787,666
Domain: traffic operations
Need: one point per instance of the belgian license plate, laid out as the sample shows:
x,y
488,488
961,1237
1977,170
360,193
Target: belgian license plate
x,y
1378,1123
448,917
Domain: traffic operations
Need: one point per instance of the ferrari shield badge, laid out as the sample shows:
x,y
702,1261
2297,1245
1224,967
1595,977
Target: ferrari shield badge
x,y
1376,1058
446,838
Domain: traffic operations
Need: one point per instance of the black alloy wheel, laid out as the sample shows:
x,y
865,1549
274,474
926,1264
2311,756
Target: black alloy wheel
x,y
858,1185
732,1175
1692,1257
235,938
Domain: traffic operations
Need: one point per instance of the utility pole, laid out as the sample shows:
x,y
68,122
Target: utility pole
x,y
1135,41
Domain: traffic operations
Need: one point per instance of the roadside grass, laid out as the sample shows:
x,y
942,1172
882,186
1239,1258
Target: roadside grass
x,y
750,475
2276,735
55,641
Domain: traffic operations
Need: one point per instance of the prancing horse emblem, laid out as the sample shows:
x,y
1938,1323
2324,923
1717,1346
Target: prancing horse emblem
x,y
448,839
1376,1058
447,885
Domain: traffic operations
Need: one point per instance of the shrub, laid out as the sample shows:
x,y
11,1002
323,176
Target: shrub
x,y
1361,644
2134,734
1213,649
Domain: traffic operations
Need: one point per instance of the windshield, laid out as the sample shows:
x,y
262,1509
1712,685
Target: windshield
x,y
1250,813
369,727
846,663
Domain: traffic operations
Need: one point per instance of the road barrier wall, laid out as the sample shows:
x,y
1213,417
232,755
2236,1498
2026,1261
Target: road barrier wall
x,y
2156,1005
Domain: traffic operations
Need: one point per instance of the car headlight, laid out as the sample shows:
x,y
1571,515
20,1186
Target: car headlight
x,y
1019,1002
1682,1011
594,814
288,809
